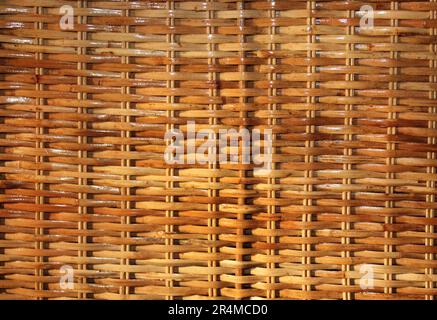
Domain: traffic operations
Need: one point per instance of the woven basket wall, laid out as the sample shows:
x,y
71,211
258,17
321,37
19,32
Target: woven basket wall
x,y
84,184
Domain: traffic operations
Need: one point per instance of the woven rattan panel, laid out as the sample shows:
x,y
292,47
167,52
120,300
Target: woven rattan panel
x,y
86,194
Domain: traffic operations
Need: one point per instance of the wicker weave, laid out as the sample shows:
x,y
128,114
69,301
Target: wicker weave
x,y
84,182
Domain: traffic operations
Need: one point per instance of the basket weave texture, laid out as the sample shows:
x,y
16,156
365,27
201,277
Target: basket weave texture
x,y
85,188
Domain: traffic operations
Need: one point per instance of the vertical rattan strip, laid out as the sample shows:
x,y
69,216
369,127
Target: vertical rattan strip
x,y
347,152
213,167
272,107
240,234
125,220
82,141
125,163
431,155
39,185
309,158
170,172
390,160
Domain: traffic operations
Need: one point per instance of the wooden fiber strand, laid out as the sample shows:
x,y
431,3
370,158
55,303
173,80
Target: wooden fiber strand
x,y
346,196
391,161
271,224
39,186
92,206
82,154
430,198
169,228
125,205
241,216
309,160
213,291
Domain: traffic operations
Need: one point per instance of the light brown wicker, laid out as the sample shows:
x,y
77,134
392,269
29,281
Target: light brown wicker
x,y
84,184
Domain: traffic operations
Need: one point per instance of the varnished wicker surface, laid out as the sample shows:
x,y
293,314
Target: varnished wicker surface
x,y
84,182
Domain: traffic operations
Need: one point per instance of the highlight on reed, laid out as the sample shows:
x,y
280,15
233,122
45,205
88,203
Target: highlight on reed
x,y
94,92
